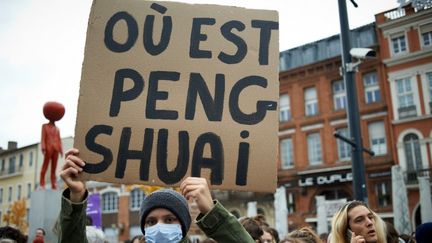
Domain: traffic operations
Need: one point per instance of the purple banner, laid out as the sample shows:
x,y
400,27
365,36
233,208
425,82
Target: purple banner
x,y
94,209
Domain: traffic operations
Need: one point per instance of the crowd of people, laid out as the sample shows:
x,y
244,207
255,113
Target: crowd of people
x,y
165,217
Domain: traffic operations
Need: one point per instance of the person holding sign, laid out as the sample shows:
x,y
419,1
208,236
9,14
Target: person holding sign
x,y
165,215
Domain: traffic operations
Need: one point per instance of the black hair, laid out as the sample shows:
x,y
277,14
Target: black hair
x,y
43,231
8,232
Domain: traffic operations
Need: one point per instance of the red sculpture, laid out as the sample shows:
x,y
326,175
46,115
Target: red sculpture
x,y
51,141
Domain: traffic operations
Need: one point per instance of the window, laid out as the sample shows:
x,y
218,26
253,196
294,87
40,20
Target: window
x,y
311,101
286,155
335,194
383,194
371,88
136,197
109,202
314,149
21,161
405,98
29,190
19,187
1,196
344,149
426,34
339,95
290,202
3,164
377,138
284,108
412,152
31,159
398,43
10,194
11,165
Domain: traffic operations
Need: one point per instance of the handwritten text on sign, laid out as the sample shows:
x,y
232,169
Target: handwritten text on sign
x,y
170,90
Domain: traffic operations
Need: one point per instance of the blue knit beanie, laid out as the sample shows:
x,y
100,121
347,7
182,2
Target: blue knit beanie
x,y
168,199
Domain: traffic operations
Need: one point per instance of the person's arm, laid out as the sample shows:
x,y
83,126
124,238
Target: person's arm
x,y
72,219
214,219
74,201
222,226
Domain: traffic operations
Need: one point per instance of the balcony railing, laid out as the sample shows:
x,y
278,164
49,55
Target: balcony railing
x,y
411,176
395,14
8,172
407,111
406,10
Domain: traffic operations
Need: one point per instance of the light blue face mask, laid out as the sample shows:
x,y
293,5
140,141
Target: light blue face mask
x,y
163,233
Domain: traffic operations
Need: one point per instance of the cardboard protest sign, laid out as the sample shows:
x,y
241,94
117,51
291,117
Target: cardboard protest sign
x,y
170,90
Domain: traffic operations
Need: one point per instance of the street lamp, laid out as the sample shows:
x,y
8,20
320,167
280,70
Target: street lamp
x,y
348,70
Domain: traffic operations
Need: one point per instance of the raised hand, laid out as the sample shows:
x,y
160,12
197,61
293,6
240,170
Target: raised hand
x,y
69,174
197,189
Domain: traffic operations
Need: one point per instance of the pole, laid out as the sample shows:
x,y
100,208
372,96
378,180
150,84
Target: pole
x,y
359,182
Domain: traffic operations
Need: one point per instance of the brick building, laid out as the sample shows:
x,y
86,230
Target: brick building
x,y
312,108
405,37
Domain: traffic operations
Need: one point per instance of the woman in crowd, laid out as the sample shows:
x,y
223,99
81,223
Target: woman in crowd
x,y
355,222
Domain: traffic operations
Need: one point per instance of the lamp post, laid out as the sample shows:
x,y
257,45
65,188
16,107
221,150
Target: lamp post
x,y
358,169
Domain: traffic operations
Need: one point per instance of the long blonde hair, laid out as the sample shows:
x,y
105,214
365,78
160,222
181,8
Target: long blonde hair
x,y
340,224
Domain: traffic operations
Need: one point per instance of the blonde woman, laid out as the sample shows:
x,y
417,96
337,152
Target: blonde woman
x,y
355,222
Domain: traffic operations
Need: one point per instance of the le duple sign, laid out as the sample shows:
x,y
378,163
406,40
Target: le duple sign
x,y
170,90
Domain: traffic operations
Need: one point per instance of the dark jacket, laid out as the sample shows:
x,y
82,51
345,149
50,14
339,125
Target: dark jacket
x,y
218,224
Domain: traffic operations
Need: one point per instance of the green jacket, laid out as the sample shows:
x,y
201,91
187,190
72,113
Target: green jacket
x,y
218,224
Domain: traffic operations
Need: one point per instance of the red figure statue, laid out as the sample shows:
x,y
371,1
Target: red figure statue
x,y
51,141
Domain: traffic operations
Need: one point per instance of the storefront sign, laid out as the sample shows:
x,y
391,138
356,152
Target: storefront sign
x,y
325,179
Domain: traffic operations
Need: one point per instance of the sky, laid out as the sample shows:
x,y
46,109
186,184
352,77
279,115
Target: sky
x,y
42,50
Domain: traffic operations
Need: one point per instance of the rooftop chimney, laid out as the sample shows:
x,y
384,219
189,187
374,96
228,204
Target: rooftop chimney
x,y
12,145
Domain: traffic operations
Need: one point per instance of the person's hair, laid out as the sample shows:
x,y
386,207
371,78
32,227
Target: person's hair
x,y
324,237
252,227
392,234
288,239
261,220
273,232
41,229
305,234
340,224
8,232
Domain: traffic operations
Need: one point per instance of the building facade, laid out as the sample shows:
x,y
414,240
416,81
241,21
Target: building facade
x,y
20,172
405,37
313,106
